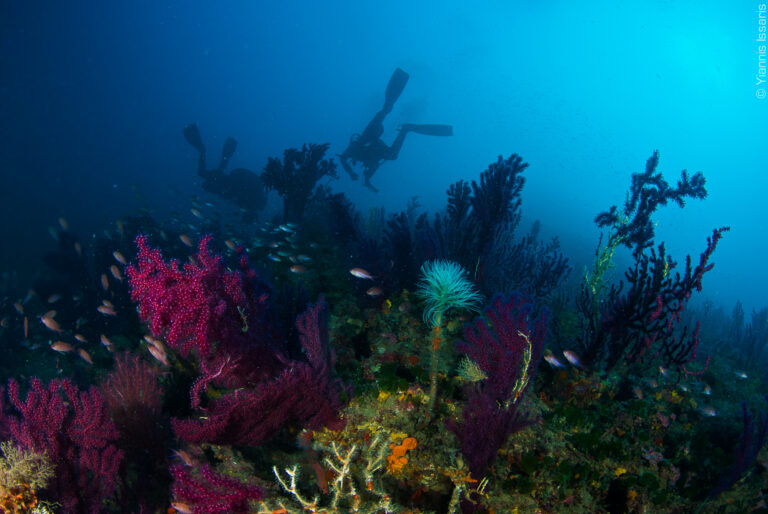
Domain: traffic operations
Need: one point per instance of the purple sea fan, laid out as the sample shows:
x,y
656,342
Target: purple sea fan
x,y
499,348
508,351
208,492
304,391
753,438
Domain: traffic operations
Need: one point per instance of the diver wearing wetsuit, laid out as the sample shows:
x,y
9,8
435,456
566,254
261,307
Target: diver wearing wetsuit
x,y
241,186
368,148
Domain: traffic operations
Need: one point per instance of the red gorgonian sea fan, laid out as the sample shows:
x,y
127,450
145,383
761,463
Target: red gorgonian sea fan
x,y
195,305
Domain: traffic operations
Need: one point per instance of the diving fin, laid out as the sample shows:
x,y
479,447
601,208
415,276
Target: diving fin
x,y
428,129
395,87
192,135
230,145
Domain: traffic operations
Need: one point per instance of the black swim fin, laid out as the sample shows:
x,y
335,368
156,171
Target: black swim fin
x,y
428,129
395,87
192,135
228,150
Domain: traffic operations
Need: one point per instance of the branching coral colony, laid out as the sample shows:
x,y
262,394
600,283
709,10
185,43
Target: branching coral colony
x,y
641,323
247,397
350,467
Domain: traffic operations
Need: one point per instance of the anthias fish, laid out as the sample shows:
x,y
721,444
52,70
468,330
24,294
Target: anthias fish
x,y
361,273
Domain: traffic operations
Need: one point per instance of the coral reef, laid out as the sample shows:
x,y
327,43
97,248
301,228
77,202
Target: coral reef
x,y
250,392
76,435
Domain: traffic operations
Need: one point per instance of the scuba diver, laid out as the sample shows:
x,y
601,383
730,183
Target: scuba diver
x,y
241,186
368,148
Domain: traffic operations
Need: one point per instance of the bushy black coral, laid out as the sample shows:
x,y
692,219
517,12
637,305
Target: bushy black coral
x,y
295,177
648,191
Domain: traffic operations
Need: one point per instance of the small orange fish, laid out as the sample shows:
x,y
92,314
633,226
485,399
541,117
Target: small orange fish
x,y
158,354
104,282
62,347
116,272
106,310
63,223
78,249
108,304
81,338
105,341
186,240
26,327
50,314
181,508
186,458
119,257
196,213
50,324
155,342
361,273
120,228
4,322
19,308
298,269
230,244
85,356
374,291
54,298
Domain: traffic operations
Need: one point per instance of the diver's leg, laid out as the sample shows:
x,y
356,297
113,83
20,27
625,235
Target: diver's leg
x,y
230,145
374,129
430,129
394,150
201,164
192,135
395,87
